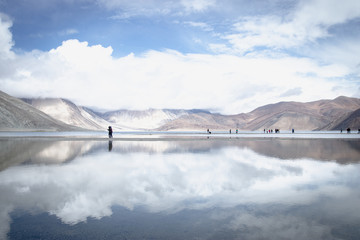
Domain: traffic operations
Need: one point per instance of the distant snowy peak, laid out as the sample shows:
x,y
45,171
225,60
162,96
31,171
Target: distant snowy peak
x,y
147,119
69,113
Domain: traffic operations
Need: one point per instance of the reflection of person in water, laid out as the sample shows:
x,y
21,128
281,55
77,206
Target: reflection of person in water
x,y
110,131
110,146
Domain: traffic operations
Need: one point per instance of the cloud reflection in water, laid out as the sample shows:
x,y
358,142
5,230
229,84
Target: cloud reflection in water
x,y
226,177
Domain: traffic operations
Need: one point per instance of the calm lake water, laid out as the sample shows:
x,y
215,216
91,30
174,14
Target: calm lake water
x,y
216,188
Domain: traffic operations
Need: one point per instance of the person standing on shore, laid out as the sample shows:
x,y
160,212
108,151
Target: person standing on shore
x,y
110,132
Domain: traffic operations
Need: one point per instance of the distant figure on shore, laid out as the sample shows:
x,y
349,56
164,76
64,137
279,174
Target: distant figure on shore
x,y
208,131
359,130
264,130
237,131
110,132
341,130
348,130
292,130
277,130
230,131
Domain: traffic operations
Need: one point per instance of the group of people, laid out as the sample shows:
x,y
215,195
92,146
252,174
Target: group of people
x,y
110,130
276,131
348,130
209,132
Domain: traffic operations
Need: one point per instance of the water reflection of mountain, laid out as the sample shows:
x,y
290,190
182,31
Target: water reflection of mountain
x,y
339,150
20,151
39,151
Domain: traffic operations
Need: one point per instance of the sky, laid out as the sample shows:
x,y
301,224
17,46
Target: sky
x,y
227,56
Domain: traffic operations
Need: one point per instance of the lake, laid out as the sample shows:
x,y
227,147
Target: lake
x,y
180,186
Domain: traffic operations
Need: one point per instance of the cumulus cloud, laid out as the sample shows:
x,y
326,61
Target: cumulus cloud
x,y
91,76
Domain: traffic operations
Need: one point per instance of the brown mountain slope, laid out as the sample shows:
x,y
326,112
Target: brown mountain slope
x,y
318,115
201,121
351,121
18,115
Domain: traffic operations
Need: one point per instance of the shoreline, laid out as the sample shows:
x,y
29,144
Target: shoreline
x,y
180,135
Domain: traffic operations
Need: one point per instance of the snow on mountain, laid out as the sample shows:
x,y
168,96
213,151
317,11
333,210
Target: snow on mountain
x,y
141,120
69,113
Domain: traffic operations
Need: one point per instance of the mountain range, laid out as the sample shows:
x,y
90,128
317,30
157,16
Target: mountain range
x,y
57,114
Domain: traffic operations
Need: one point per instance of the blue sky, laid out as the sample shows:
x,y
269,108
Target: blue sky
x,y
225,56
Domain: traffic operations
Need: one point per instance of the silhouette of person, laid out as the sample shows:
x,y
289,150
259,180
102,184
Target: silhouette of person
x,y
110,132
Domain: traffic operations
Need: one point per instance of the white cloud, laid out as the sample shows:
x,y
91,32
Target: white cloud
x,y
197,5
309,22
324,13
201,25
91,76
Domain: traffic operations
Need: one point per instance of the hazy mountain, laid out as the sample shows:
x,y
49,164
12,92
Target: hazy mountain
x,y
318,115
147,119
206,120
341,112
18,115
69,113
